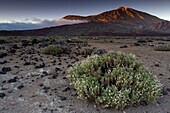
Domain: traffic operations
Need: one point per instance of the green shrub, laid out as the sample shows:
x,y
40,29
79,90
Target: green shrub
x,y
53,50
165,47
86,51
114,80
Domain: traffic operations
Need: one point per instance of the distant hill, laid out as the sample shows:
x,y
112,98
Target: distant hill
x,y
122,21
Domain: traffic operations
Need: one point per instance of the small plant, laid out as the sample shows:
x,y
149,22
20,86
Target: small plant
x,y
114,80
86,51
165,47
53,50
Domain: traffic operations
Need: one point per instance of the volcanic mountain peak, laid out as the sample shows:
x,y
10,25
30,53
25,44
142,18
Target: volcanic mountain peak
x,y
121,13
121,21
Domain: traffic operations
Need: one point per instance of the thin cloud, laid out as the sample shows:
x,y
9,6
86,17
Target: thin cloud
x,y
35,23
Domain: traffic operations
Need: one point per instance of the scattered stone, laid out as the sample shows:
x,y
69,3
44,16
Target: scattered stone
x,y
43,44
143,103
142,41
30,51
46,89
35,41
136,44
99,51
1,72
157,64
64,78
164,91
54,61
42,65
27,63
66,89
15,46
45,73
16,66
59,63
20,95
3,62
4,81
2,41
12,80
10,91
64,72
6,69
160,74
3,54
2,95
124,46
69,65
21,86
12,51
54,77
168,89
62,98
150,40
24,42
41,84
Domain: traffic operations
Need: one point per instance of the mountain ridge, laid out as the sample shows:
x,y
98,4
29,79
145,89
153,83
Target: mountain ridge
x,y
120,13
121,21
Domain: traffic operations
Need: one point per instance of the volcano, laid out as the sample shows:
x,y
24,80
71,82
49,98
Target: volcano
x,y
121,21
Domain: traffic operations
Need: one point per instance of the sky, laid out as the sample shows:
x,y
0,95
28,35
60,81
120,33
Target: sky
x,y
32,14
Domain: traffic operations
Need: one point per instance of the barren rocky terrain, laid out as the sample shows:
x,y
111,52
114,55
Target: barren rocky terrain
x,y
33,82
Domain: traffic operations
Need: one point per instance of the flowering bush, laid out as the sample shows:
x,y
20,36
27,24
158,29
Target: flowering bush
x,y
114,80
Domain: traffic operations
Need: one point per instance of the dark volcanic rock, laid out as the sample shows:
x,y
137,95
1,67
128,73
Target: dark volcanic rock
x,y
35,41
2,95
57,69
142,41
1,72
12,51
124,46
66,89
45,44
3,62
10,91
30,51
12,80
62,98
2,41
15,46
6,69
136,44
25,42
164,91
99,51
42,65
3,54
157,64
27,63
21,86
69,65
